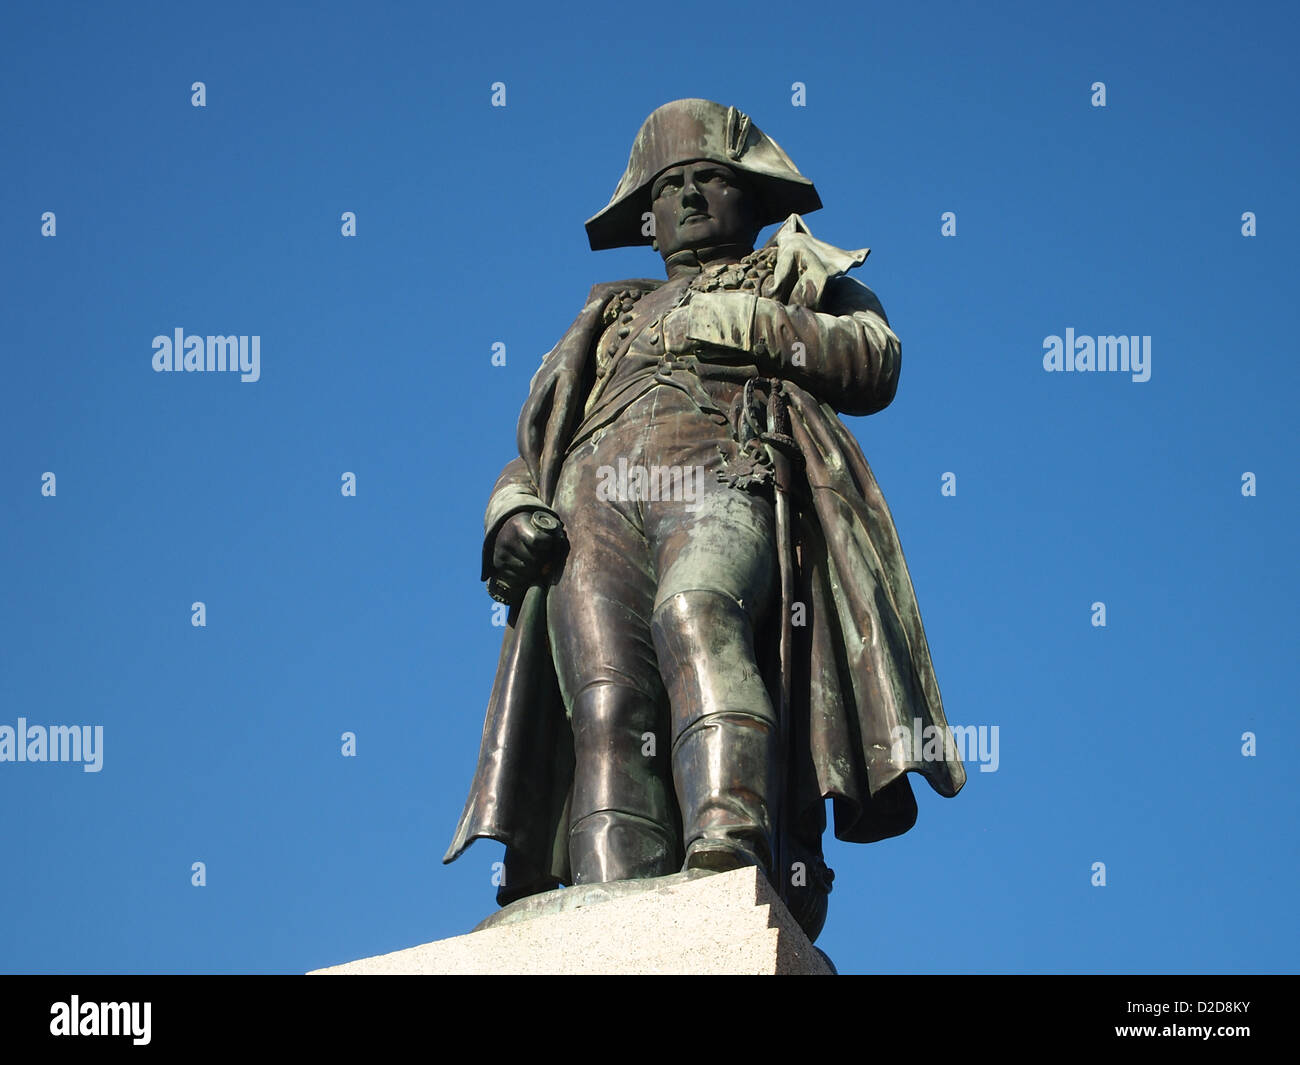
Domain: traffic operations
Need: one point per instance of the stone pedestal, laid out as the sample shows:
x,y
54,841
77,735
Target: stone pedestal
x,y
692,923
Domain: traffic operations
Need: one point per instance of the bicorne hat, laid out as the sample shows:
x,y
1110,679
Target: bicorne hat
x,y
685,131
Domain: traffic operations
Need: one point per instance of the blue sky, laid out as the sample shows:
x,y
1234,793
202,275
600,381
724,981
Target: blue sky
x,y
1119,744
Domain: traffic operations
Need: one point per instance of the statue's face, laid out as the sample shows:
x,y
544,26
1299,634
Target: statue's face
x,y
701,204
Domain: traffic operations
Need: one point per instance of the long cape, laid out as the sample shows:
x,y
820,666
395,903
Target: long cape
x,y
862,665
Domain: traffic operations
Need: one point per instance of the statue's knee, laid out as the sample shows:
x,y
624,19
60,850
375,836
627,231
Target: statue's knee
x,y
705,640
696,613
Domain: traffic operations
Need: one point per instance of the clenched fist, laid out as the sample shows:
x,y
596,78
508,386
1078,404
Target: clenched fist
x,y
526,545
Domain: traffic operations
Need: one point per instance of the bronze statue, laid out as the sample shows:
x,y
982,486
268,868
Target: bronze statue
x,y
712,626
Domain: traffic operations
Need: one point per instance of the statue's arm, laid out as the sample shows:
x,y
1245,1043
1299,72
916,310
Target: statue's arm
x,y
518,546
844,352
514,493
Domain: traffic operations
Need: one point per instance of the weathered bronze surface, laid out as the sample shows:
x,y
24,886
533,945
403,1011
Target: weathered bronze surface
x,y
712,626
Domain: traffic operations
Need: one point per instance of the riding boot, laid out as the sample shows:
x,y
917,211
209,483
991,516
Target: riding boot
x,y
622,821
724,731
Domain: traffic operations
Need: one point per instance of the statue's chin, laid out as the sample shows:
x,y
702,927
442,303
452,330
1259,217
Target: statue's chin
x,y
738,245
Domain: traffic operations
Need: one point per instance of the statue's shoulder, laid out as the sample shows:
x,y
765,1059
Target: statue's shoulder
x,y
597,307
846,295
603,290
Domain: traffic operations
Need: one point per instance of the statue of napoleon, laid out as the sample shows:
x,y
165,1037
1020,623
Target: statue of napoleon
x,y
712,628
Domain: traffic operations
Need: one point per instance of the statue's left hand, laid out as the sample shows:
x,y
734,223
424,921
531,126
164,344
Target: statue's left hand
x,y
677,331
714,326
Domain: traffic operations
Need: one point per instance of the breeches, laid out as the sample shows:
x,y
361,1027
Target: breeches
x,y
652,617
